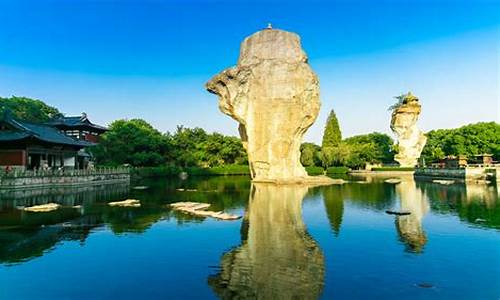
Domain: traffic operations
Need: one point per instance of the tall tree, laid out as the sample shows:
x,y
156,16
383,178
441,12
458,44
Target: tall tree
x,y
332,135
133,142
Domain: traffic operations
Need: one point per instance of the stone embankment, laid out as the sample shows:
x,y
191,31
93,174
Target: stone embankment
x,y
31,179
461,174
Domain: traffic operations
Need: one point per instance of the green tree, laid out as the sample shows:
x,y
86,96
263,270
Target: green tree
x,y
195,147
31,110
310,154
133,142
472,139
368,148
332,138
332,135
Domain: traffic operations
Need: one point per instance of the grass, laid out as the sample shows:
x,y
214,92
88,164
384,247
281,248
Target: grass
x,y
337,170
220,170
171,171
314,170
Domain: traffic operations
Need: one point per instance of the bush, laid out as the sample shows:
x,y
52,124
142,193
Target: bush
x,y
220,170
337,170
165,171
314,170
171,171
388,169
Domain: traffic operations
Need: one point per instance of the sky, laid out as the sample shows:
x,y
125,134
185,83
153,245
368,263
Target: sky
x,y
151,59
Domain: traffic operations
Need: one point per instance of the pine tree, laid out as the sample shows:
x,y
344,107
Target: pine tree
x,y
332,135
331,140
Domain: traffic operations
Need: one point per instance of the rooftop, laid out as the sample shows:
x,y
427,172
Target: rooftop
x,y
23,130
76,121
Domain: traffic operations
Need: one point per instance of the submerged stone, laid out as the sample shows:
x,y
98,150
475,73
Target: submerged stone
x,y
126,203
393,180
199,209
43,207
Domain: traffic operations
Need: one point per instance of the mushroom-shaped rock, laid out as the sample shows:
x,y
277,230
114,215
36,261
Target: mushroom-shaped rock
x,y
274,95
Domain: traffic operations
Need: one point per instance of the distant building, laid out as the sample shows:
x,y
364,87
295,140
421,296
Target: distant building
x,y
462,161
79,127
453,162
56,144
482,159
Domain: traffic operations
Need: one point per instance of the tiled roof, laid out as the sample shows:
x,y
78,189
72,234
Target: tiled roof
x,y
75,121
41,132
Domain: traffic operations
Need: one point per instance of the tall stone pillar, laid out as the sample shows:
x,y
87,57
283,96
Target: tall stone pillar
x,y
411,140
274,95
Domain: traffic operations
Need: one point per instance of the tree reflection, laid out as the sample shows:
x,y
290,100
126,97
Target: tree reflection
x,y
277,259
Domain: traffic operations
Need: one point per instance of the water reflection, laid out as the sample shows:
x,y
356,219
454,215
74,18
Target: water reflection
x,y
278,259
333,198
26,235
409,227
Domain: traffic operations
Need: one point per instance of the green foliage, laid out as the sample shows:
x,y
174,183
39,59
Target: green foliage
x,y
337,170
467,140
335,156
312,170
31,110
403,99
368,148
174,171
332,135
163,171
137,143
194,147
219,170
310,154
133,142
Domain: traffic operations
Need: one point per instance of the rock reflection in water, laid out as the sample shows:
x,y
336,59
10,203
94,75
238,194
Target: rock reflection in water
x,y
278,259
409,227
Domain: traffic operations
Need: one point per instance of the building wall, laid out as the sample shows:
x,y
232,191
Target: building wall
x,y
12,157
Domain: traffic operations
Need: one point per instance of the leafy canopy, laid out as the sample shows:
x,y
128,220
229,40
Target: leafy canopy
x,y
478,138
31,110
133,142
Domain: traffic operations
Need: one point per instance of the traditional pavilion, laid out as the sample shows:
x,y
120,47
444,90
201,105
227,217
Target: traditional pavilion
x,y
58,143
79,127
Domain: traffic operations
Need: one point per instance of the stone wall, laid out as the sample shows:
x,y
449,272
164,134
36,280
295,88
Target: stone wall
x,y
71,179
469,173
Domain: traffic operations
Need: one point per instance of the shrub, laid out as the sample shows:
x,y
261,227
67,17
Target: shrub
x,y
219,170
314,170
337,170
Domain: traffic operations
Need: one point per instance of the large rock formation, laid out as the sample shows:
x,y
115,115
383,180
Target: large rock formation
x,y
411,140
277,259
274,95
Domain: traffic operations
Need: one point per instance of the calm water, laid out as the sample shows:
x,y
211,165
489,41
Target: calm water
x,y
293,242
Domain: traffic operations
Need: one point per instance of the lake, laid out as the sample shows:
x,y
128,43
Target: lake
x,y
292,242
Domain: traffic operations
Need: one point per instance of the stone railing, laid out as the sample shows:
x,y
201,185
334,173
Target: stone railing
x,y
63,172
49,178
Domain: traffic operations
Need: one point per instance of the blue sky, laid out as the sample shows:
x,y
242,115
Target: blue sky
x,y
150,59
